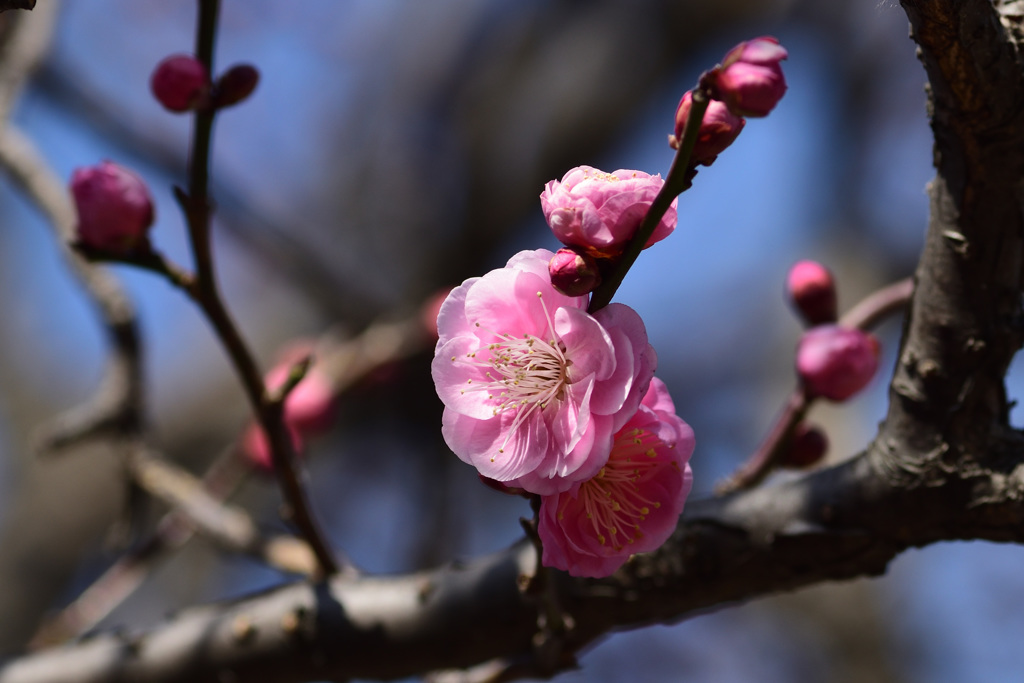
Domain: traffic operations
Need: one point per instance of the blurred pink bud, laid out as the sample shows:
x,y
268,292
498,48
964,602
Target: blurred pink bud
x,y
180,83
114,208
812,290
573,273
255,447
718,129
836,362
309,406
430,309
750,79
235,85
599,212
807,447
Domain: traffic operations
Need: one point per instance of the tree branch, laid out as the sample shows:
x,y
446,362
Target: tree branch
x,y
945,464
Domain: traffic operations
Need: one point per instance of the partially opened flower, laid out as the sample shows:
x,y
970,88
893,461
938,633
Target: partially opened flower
x,y
599,212
750,80
534,387
718,129
633,503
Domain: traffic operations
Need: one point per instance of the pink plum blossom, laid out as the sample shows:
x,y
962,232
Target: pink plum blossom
x,y
836,362
115,209
632,504
533,386
718,129
599,212
750,80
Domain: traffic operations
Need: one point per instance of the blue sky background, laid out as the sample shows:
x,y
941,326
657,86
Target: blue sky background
x,y
715,284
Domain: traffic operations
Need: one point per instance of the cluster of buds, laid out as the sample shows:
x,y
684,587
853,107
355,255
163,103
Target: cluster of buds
x,y
113,205
833,361
182,83
748,82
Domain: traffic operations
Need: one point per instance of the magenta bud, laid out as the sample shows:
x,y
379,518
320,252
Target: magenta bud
x,y
235,85
750,80
573,273
807,446
836,362
114,208
180,83
718,129
812,290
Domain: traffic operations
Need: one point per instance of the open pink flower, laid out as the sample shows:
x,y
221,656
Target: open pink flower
x,y
534,387
633,503
599,212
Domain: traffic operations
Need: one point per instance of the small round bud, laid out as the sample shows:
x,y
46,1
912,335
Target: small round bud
x,y
750,79
180,83
718,129
836,362
807,446
812,290
114,208
573,273
235,85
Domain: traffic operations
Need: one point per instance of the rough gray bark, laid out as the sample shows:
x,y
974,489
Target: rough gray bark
x,y
945,464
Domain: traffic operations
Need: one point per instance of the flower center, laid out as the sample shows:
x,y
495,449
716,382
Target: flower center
x,y
613,500
523,373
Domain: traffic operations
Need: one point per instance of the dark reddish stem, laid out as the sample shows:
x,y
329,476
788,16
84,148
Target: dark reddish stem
x,y
204,291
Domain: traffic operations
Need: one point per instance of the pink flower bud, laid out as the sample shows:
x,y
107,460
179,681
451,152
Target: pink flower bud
x,y
836,362
255,447
309,406
180,83
235,85
813,292
429,311
599,212
807,446
750,79
573,273
114,208
718,129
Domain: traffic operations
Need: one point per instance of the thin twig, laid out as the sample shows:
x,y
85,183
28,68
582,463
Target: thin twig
x,y
678,180
197,208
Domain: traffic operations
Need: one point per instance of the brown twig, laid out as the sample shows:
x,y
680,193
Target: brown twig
x,y
197,207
